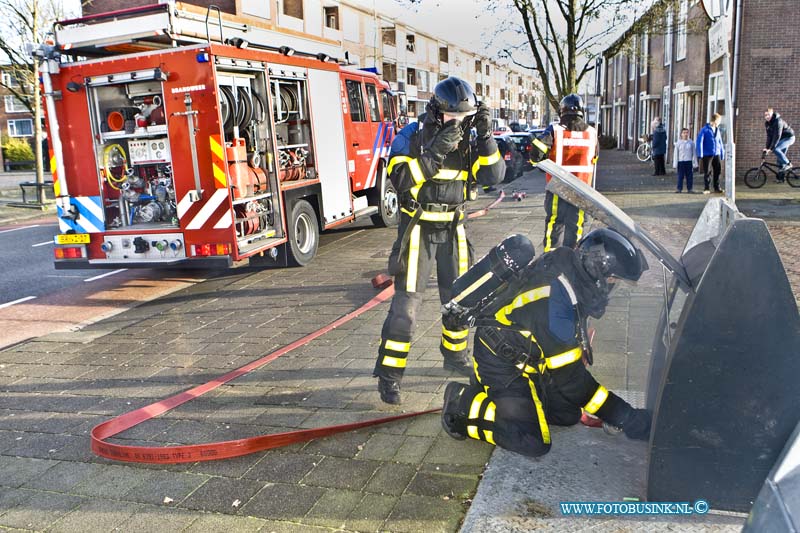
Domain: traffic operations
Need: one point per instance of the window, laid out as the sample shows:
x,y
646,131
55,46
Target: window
x,y
631,110
488,92
644,53
389,36
680,45
479,89
14,105
390,72
411,43
488,71
332,17
443,54
9,80
293,8
411,78
668,41
618,75
716,96
502,93
477,66
372,100
22,127
632,60
422,80
665,96
356,100
388,108
642,115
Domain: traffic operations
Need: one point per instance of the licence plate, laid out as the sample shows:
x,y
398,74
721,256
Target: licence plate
x,y
72,238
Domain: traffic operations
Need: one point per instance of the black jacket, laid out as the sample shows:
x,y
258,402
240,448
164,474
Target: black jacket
x,y
777,129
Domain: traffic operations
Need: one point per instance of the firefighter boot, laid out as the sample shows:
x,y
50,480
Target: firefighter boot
x,y
389,390
458,363
454,416
637,424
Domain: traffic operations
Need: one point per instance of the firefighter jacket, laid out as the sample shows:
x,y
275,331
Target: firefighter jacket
x,y
539,329
439,196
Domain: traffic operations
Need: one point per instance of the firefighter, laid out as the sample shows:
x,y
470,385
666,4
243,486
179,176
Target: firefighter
x,y
429,164
530,351
573,144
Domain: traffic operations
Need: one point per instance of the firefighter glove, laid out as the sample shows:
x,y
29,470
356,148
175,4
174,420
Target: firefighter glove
x,y
482,122
637,424
540,148
445,141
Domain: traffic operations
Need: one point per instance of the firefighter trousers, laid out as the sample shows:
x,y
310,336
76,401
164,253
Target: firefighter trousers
x,y
512,409
452,253
563,223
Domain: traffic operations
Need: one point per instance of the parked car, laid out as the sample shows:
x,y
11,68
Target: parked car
x,y
514,160
524,142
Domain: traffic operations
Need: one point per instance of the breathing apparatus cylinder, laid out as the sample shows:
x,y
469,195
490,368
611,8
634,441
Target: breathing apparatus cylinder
x,y
479,285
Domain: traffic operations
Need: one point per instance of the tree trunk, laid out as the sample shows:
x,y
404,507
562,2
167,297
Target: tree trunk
x,y
37,110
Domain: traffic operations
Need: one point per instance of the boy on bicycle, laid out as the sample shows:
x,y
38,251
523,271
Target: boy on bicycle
x,y
780,137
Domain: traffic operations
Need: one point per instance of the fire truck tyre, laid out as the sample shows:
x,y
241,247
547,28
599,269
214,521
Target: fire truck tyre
x,y
303,234
388,206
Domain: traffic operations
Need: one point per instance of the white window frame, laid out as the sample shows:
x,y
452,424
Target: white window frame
x,y
12,127
715,96
680,45
631,112
644,51
632,60
10,80
665,107
14,104
668,40
642,114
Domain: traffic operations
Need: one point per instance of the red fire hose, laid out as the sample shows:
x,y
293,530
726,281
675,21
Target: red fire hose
x,y
232,448
481,212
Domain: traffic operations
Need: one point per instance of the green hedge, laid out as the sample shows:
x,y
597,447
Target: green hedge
x,y
16,149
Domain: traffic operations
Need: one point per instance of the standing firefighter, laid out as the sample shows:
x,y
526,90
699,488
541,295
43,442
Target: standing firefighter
x,y
572,144
531,343
430,163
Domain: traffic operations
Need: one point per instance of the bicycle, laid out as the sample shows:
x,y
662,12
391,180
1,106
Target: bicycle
x,y
643,151
756,177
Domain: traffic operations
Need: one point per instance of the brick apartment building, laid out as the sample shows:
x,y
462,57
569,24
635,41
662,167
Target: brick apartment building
x,y
15,119
665,72
410,60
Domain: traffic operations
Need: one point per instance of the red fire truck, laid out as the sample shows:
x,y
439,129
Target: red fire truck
x,y
176,141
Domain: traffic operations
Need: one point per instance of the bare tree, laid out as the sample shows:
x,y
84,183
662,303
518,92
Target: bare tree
x,y
21,22
565,36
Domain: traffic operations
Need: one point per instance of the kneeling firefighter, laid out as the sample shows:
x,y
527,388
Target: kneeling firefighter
x,y
430,164
531,343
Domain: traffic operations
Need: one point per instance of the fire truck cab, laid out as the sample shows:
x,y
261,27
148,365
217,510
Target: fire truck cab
x,y
169,148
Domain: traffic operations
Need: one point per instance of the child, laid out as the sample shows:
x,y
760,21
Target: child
x,y
685,160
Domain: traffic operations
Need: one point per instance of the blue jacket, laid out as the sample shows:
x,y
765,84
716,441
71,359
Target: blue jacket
x,y
710,143
659,143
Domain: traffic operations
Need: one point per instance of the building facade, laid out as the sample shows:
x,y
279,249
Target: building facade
x,y
410,60
664,72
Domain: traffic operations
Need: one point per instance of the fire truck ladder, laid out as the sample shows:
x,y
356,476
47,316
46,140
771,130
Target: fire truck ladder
x,y
164,25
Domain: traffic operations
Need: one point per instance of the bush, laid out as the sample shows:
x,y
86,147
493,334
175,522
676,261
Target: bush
x,y
607,142
16,149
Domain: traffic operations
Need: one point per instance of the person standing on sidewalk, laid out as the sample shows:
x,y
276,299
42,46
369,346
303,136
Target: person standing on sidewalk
x,y
684,160
658,148
530,348
711,150
573,144
780,137
429,165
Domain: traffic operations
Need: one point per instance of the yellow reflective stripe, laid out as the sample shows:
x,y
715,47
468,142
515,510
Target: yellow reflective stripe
x,y
395,362
448,174
463,251
413,259
490,412
489,436
460,334
564,359
540,414
541,146
485,161
429,216
597,401
472,431
469,290
416,172
522,299
579,234
454,347
487,347
397,346
475,408
548,242
397,160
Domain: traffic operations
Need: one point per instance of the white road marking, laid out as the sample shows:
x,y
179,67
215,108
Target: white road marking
x,y
107,274
21,227
41,244
9,304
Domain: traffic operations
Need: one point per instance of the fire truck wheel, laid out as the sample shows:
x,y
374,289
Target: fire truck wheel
x,y
303,234
388,207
